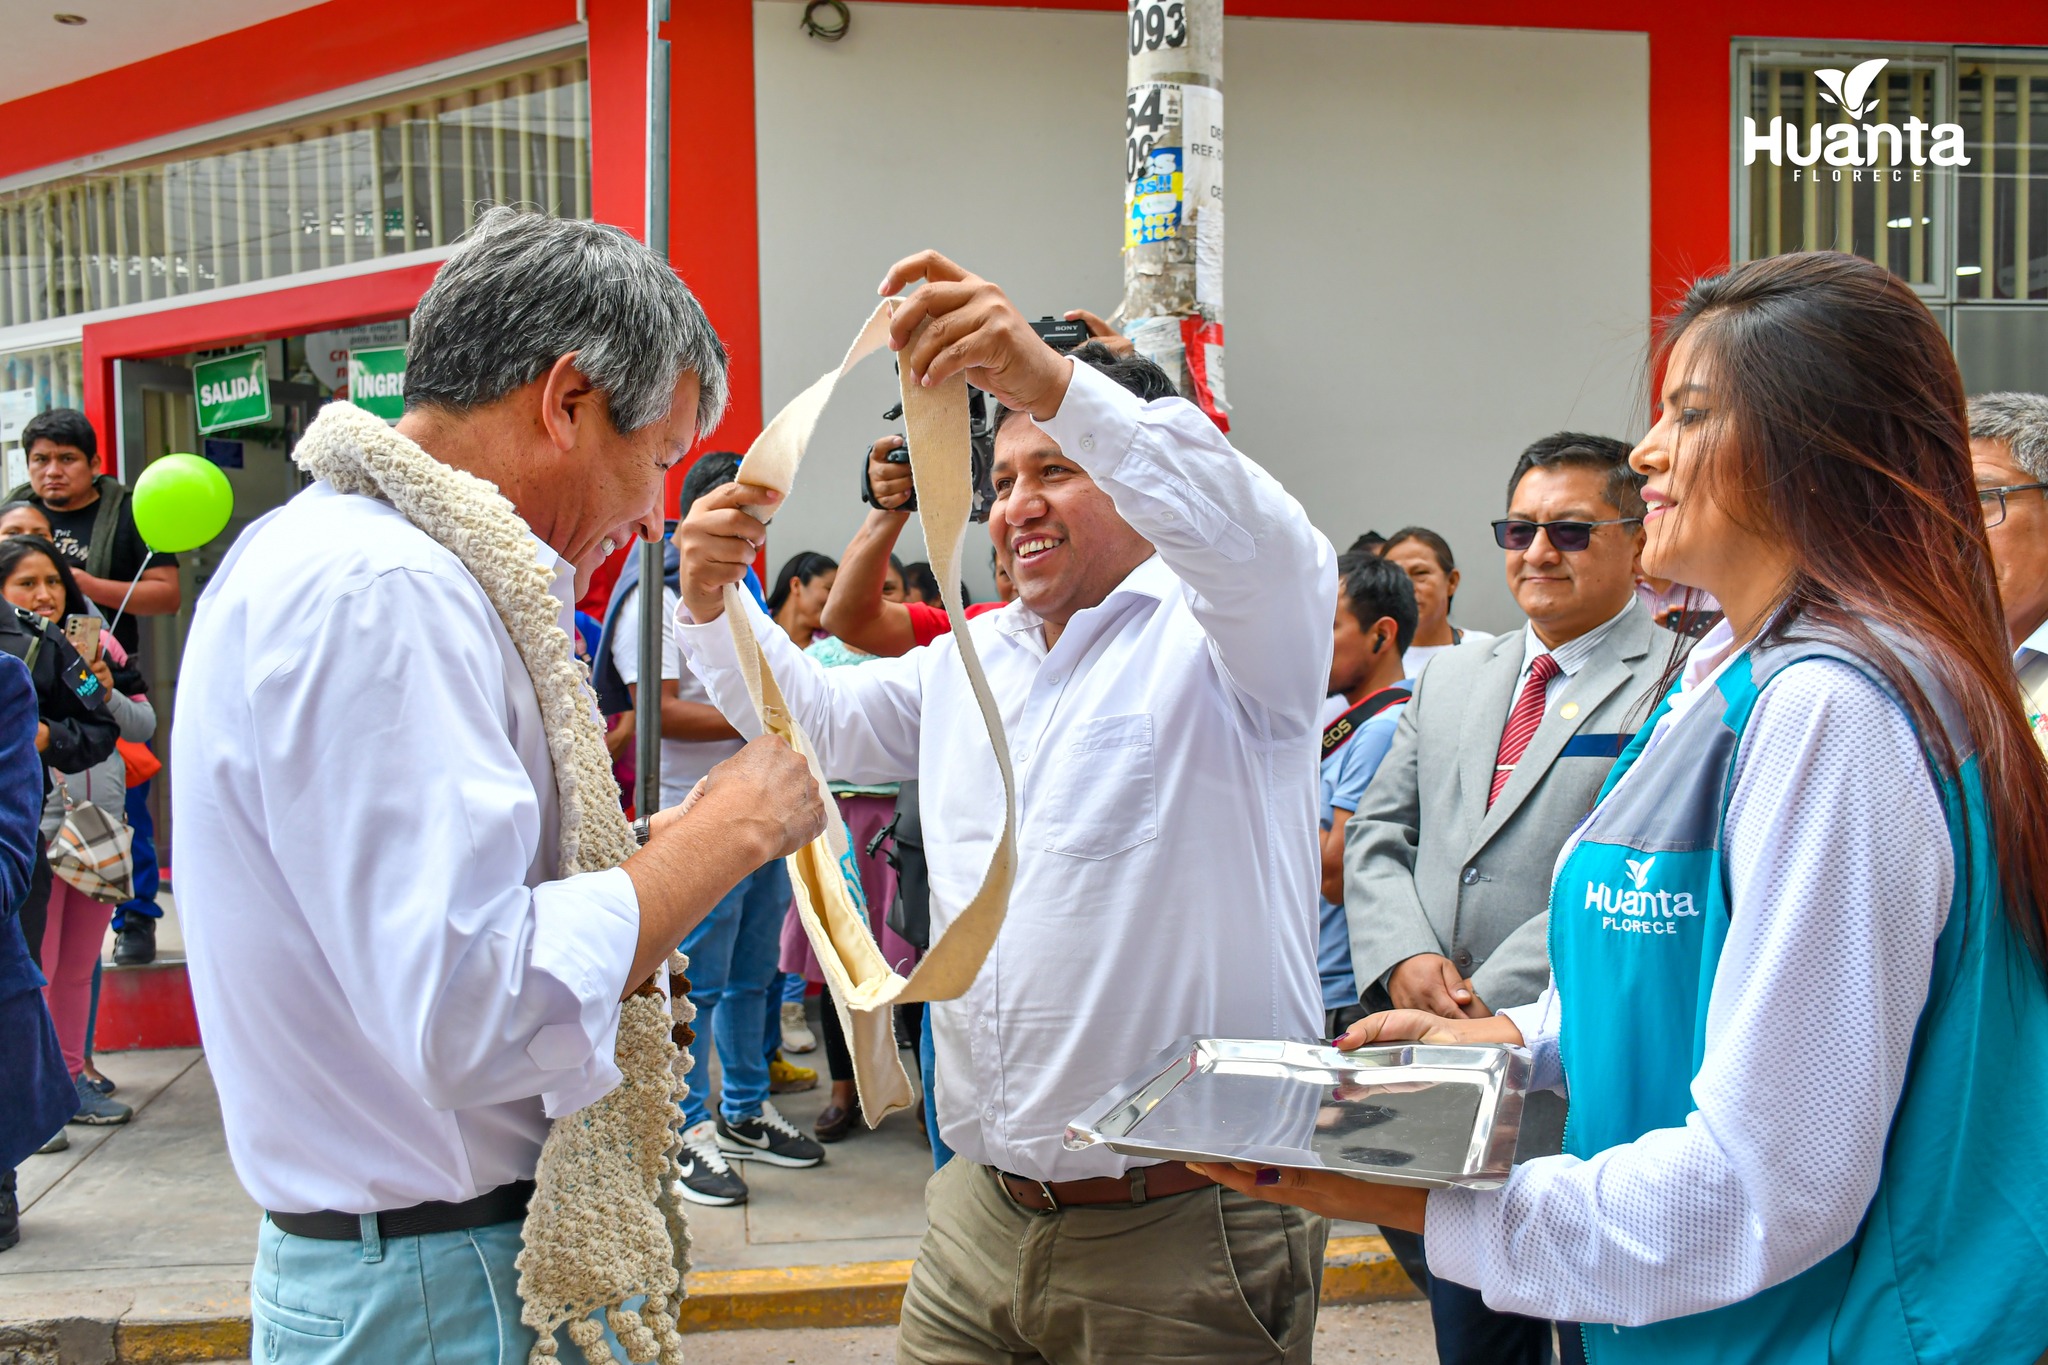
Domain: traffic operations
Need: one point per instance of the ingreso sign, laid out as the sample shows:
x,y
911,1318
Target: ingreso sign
x,y
376,381
232,391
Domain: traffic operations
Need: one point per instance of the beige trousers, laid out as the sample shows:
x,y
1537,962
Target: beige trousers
x,y
1204,1278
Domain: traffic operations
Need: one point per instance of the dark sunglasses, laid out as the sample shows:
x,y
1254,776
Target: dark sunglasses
x,y
1567,537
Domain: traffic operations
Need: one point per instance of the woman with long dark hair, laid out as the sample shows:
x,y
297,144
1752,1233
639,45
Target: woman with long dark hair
x,y
1798,991
71,924
797,599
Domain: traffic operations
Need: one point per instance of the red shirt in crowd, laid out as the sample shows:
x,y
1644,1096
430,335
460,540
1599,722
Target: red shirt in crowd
x,y
928,623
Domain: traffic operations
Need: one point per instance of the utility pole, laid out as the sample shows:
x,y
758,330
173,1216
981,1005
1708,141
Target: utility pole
x,y
1173,199
647,706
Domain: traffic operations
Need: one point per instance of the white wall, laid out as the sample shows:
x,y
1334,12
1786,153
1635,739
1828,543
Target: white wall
x,y
1438,250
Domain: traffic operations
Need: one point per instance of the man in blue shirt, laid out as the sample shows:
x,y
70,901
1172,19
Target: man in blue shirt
x,y
1374,623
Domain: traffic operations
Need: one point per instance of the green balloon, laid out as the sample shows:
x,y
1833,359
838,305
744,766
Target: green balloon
x,y
180,503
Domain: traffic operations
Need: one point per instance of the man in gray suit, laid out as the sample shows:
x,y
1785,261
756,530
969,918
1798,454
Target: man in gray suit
x,y
1498,757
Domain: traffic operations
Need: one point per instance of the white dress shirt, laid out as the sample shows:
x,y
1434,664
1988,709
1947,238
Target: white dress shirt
x,y
1166,772
683,761
1839,872
395,989
1571,656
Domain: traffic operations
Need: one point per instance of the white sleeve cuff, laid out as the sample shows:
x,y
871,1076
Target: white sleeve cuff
x,y
586,932
1453,1236
1097,420
1536,1023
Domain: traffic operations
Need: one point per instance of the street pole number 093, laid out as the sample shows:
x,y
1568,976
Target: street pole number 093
x,y
1156,24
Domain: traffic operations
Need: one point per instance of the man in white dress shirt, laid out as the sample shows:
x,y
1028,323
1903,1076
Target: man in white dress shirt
x,y
1159,678
398,989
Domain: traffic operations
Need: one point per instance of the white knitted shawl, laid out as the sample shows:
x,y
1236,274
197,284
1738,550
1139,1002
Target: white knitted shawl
x,y
605,1223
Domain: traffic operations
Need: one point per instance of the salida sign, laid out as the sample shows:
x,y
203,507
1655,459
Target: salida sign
x,y
1855,151
231,391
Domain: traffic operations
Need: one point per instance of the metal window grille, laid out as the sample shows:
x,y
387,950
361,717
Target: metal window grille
x,y
350,186
1889,219
2002,196
56,373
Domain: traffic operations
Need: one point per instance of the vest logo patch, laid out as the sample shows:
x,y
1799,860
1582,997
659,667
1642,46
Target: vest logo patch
x,y
1636,909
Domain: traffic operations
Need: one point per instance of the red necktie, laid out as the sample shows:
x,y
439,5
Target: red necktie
x,y
1522,723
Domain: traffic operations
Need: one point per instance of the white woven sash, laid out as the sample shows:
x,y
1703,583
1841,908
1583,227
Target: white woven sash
x,y
828,893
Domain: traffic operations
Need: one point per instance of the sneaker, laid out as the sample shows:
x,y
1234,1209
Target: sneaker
x,y
769,1137
10,1214
707,1177
93,1107
796,1029
135,942
102,1083
59,1143
786,1078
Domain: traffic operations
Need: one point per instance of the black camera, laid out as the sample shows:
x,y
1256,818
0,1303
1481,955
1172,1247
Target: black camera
x,y
1060,334
981,433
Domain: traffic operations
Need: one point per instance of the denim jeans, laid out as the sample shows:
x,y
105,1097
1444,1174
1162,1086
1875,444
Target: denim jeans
x,y
446,1296
941,1153
735,957
143,850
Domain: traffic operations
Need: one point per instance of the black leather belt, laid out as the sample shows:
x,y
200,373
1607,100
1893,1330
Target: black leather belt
x,y
502,1205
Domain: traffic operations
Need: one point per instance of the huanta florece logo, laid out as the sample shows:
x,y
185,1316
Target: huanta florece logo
x,y
1636,909
1865,150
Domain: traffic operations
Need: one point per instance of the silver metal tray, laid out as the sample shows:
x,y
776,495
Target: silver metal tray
x,y
1420,1114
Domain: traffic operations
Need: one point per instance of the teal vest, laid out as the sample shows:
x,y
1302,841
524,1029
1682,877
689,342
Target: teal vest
x,y
1951,1261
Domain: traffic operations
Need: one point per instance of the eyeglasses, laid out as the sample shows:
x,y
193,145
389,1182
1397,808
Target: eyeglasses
x,y
1993,500
1569,537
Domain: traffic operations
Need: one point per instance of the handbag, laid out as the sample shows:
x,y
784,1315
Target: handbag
x,y
910,914
92,850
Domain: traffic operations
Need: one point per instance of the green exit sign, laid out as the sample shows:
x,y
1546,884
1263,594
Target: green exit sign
x,y
376,381
232,391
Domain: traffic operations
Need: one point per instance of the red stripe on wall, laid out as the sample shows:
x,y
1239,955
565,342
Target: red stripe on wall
x,y
231,322
292,57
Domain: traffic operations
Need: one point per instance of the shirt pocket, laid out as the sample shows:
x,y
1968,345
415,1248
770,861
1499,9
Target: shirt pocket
x,y
1103,795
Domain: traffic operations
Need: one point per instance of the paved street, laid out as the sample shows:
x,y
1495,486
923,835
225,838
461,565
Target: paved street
x,y
1377,1332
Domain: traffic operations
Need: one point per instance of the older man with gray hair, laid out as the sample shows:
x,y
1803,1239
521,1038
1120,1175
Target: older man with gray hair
x,y
412,906
2009,454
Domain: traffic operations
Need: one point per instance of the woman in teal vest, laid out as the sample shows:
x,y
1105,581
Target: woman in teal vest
x,y
1798,997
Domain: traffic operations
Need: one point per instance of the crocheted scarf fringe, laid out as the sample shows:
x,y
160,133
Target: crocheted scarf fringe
x,y
605,1224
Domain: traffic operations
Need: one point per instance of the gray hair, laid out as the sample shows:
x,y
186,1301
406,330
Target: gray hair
x,y
523,290
2020,420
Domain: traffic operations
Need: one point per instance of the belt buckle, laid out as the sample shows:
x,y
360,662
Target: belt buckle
x,y
1052,1203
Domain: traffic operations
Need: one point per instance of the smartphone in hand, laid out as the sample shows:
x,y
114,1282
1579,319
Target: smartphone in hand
x,y
84,634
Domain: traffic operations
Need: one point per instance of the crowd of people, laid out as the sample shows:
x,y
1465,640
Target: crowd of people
x,y
75,575
1739,835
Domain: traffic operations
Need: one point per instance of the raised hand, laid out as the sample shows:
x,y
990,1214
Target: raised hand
x,y
716,543
959,323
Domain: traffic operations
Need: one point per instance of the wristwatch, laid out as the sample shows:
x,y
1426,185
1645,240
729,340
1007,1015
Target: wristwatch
x,y
643,829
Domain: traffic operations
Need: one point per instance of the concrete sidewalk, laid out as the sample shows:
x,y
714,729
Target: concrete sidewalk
x,y
136,1243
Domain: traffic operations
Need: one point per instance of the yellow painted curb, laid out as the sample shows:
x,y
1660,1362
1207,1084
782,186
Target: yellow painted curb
x,y
199,1339
1363,1270
861,1294
870,1293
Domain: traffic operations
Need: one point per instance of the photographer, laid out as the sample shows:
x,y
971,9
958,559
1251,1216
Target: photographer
x,y
1161,672
858,610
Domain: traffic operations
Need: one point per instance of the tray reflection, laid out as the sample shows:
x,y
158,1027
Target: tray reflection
x,y
1405,1114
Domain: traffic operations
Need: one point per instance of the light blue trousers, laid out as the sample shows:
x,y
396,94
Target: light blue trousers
x,y
448,1298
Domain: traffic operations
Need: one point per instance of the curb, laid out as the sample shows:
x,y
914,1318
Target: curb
x,y
862,1294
